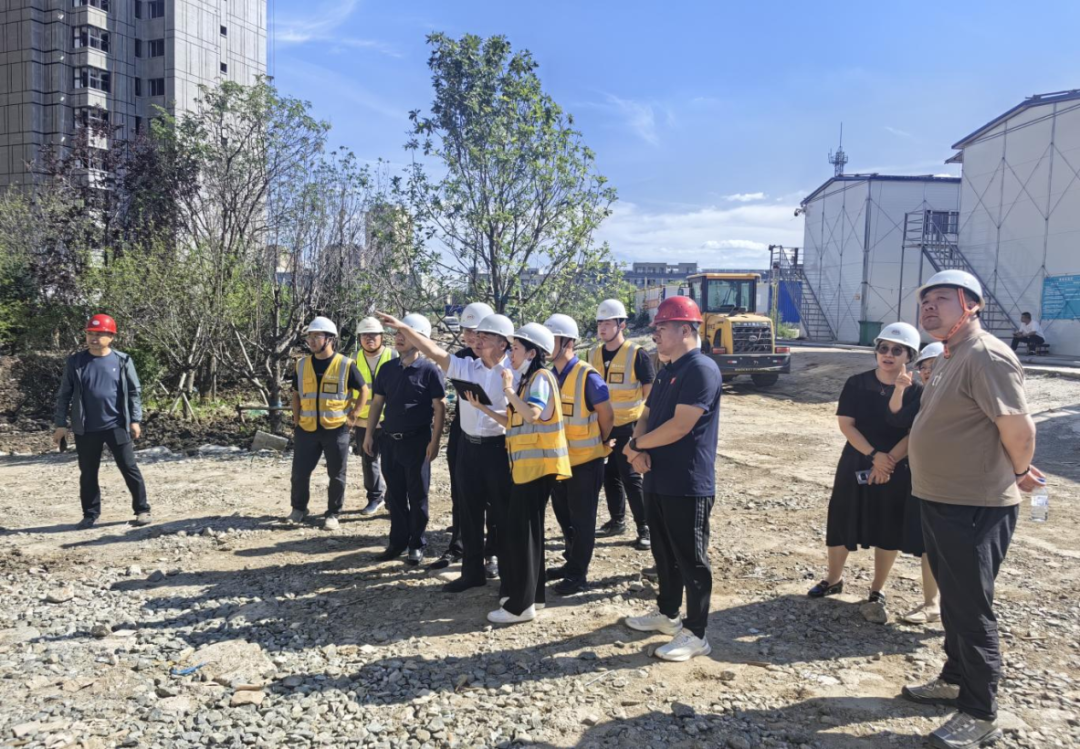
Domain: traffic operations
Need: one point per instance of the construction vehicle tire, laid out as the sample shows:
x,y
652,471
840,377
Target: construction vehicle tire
x,y
765,379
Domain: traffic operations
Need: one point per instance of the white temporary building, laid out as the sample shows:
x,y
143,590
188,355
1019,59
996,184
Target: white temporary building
x,y
857,267
1019,220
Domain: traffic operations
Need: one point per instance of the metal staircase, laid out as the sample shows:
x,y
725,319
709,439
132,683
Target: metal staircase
x,y
786,268
934,234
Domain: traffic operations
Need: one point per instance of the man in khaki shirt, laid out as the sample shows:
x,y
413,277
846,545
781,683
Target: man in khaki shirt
x,y
970,451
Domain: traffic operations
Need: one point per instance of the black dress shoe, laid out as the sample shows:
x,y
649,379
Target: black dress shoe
x,y
651,573
556,573
462,584
372,507
85,524
416,556
444,561
389,554
569,587
611,528
491,568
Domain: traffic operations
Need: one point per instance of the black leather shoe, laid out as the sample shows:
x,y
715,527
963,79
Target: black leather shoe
x,y
462,584
416,556
491,568
651,573
443,562
569,587
85,524
611,528
372,507
389,554
556,573
823,589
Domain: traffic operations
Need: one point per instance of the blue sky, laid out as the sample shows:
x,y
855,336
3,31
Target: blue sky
x,y
711,119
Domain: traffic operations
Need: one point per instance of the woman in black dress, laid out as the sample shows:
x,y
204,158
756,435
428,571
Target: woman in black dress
x,y
873,481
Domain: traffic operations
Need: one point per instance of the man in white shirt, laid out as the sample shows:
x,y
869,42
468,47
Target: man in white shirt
x,y
482,458
1030,333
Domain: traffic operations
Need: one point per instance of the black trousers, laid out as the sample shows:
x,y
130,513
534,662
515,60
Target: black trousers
x,y
408,476
522,567
574,502
483,473
457,498
966,546
373,478
308,447
622,482
680,545
1031,340
89,447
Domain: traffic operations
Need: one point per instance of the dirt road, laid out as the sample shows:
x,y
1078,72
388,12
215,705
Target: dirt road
x,y
351,652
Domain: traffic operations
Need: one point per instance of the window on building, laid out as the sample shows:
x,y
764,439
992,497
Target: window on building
x,y
91,116
157,47
138,86
138,8
157,8
157,86
224,31
89,77
224,67
138,47
94,159
99,4
90,36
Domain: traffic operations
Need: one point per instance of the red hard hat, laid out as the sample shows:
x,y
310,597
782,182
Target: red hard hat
x,y
101,324
677,309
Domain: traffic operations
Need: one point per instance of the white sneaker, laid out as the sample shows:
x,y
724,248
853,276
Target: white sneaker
x,y
502,616
330,523
683,647
537,606
654,621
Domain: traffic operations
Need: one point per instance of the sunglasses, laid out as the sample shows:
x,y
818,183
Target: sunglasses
x,y
884,348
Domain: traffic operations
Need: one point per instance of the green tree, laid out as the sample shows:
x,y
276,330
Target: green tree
x,y
517,198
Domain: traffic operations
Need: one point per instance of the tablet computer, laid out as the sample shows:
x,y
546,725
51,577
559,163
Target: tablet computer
x,y
462,387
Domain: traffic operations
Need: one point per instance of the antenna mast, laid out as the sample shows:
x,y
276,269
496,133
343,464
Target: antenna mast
x,y
839,159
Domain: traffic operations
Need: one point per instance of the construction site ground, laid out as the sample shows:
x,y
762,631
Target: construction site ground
x,y
297,637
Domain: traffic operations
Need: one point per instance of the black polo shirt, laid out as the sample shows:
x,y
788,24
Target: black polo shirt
x,y
686,468
409,392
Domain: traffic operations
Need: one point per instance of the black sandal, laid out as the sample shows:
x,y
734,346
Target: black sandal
x,y
825,588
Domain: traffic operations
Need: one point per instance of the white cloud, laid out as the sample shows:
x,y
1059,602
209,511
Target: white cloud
x,y
639,116
745,197
321,25
899,133
714,237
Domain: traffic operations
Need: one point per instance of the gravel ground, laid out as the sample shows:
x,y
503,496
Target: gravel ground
x,y
296,637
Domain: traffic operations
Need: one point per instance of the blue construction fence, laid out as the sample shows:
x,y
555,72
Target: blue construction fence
x,y
789,301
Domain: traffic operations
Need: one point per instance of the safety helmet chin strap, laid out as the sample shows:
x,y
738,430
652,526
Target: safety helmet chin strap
x,y
968,313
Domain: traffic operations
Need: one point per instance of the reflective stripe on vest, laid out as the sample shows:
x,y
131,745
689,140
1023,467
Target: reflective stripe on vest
x,y
539,449
369,377
582,425
325,403
627,395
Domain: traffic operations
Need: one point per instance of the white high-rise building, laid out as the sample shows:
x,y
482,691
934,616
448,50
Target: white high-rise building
x,y
64,63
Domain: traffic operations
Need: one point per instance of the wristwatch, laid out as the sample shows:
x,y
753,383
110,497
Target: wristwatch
x,y
633,445
873,454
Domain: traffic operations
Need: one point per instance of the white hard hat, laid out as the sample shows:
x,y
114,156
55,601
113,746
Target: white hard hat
x,y
322,325
369,325
473,314
563,325
932,351
496,325
611,309
958,278
538,335
902,333
419,323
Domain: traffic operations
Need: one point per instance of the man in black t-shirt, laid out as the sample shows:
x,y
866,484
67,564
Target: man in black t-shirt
x,y
674,446
324,412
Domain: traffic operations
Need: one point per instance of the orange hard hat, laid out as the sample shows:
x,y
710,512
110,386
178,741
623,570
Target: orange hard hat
x,y
677,309
101,324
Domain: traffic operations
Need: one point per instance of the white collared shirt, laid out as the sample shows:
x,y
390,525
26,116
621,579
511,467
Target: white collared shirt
x,y
475,422
1031,328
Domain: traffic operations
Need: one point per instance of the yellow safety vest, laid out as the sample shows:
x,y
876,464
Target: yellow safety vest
x,y
627,395
326,404
539,449
582,425
369,377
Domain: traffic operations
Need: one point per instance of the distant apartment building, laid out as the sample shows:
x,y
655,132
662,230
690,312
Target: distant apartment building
x,y
67,63
654,274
